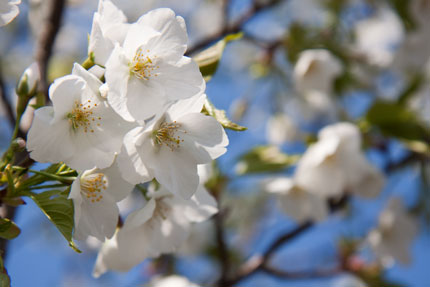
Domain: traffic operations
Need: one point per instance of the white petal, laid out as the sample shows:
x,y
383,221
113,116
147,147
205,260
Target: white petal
x,y
47,141
118,188
348,134
117,76
203,206
91,80
186,106
140,216
145,98
98,219
63,94
99,45
8,11
173,41
138,36
131,164
279,185
176,171
302,206
206,133
182,79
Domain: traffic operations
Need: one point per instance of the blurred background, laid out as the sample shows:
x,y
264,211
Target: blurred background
x,y
373,50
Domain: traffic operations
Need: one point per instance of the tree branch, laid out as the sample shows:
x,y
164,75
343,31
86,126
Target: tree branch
x,y
47,40
222,248
236,27
5,101
260,262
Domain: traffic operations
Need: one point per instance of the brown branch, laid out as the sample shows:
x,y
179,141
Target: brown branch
x,y
300,275
260,262
223,253
47,40
5,101
236,27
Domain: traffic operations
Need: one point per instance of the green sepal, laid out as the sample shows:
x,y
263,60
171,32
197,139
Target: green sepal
x,y
220,115
265,159
8,229
209,58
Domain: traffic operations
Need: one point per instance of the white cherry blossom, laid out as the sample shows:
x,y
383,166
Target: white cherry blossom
x,y
8,11
171,148
94,194
161,226
109,27
80,129
297,202
376,36
171,281
315,70
392,238
281,128
149,72
335,164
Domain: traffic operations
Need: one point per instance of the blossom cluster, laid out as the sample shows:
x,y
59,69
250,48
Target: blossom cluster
x,y
134,117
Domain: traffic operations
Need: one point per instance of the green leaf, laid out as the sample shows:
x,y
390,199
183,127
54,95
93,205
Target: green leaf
x,y
209,58
220,115
59,210
395,120
8,229
4,280
265,159
4,276
402,9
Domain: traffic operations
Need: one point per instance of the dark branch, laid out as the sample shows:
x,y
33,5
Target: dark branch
x,y
300,275
222,249
260,262
47,40
236,27
5,101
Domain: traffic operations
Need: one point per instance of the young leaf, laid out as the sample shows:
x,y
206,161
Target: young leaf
x,y
59,210
264,159
8,229
395,120
208,59
210,110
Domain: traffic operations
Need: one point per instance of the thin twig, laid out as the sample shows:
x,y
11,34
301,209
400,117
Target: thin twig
x,y
5,101
47,40
259,262
236,27
300,275
222,248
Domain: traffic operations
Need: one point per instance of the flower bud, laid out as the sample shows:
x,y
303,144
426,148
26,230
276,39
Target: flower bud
x,y
29,80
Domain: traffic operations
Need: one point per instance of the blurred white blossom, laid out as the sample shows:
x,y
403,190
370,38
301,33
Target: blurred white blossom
x,y
8,11
392,238
281,128
297,202
316,70
171,281
335,164
378,37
